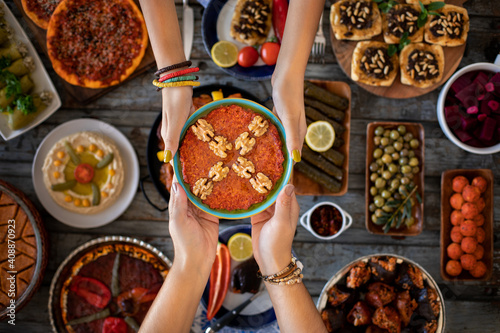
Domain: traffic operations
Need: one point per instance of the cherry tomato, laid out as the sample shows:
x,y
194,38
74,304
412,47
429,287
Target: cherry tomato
x,y
248,56
84,173
114,325
269,52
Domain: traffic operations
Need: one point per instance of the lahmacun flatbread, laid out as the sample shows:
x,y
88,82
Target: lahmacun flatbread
x,y
421,64
40,11
372,65
84,50
251,21
449,29
400,19
355,20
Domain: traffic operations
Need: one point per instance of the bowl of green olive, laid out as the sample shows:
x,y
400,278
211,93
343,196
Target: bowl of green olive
x,y
394,178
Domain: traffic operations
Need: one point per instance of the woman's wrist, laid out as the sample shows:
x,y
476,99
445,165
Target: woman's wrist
x,y
273,264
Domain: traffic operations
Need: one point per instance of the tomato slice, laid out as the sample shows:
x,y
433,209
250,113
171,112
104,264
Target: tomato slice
x,y
114,325
219,280
84,173
93,291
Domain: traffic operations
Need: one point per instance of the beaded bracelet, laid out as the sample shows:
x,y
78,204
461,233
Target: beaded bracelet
x,y
285,270
172,67
175,84
178,73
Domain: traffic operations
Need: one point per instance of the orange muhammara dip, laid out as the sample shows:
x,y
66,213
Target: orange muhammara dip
x,y
232,158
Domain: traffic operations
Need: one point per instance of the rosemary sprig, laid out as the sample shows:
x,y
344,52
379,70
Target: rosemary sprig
x,y
402,212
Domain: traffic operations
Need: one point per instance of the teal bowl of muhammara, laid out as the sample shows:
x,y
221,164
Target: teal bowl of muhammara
x,y
225,172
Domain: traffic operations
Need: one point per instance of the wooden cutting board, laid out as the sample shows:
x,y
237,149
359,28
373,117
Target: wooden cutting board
x,y
81,94
343,50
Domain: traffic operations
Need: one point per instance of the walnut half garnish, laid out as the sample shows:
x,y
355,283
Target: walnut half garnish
x,y
258,126
245,143
219,146
261,184
202,188
203,130
243,167
218,172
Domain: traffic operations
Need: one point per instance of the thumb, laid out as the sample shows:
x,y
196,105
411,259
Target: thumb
x,y
170,132
178,203
286,205
294,129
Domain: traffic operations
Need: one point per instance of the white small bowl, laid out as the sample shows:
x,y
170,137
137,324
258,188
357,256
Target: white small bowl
x,y
442,97
305,220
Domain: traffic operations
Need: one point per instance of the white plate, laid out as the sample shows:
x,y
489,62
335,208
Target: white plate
x,y
39,76
130,163
224,27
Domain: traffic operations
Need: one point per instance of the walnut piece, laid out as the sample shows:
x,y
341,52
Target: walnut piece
x,y
218,172
202,188
245,143
243,167
261,184
219,146
258,126
203,130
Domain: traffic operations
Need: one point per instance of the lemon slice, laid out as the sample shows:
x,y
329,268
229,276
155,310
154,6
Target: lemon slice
x,y
240,246
320,136
224,54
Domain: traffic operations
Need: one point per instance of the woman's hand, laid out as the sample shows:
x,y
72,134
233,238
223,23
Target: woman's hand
x,y
288,98
194,233
177,107
273,231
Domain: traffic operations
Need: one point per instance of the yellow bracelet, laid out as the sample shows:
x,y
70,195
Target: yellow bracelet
x,y
175,84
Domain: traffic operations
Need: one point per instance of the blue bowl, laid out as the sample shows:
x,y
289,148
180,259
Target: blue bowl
x,y
287,164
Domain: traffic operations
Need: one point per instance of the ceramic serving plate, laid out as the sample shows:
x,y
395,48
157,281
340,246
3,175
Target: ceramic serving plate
x,y
287,164
130,162
40,78
341,275
215,26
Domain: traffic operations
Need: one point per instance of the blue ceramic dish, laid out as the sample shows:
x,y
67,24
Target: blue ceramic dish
x,y
242,322
287,164
209,35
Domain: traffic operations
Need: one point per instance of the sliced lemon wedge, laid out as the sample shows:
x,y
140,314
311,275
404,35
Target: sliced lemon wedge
x,y
224,54
240,246
320,136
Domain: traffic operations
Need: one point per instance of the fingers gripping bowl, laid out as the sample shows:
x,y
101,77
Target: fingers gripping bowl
x,y
241,173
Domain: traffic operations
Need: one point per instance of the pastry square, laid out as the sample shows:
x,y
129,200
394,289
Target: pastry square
x,y
400,19
421,64
251,21
355,20
372,65
449,29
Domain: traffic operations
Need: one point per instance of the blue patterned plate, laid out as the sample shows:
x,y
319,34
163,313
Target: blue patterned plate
x,y
215,26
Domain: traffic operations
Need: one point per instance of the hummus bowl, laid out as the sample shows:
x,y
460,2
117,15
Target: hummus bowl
x,y
196,157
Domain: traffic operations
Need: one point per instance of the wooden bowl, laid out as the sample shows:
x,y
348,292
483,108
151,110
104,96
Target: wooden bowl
x,y
305,185
446,226
418,209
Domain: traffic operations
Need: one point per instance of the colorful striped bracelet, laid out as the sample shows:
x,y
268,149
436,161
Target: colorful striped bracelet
x,y
175,84
178,73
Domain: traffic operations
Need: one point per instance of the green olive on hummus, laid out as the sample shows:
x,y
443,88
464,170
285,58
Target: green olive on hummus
x,y
84,172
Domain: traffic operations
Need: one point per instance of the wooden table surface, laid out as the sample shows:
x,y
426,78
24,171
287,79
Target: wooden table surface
x,y
133,107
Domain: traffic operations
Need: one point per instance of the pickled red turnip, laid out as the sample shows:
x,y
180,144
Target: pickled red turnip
x,y
472,108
